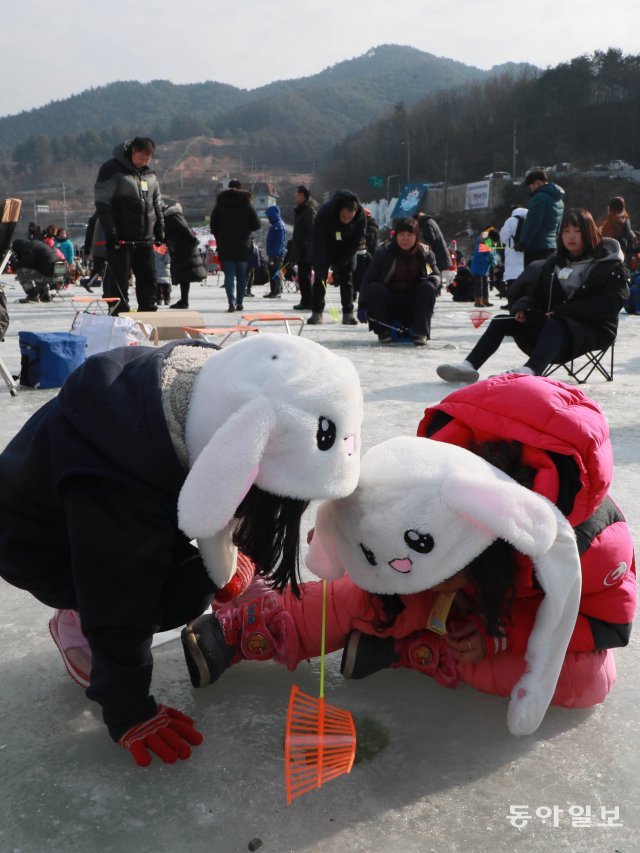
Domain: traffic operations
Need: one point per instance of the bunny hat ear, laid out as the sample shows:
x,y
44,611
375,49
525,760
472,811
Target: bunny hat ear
x,y
535,527
277,410
322,558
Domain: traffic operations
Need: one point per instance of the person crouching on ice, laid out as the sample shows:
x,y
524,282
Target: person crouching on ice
x,y
144,450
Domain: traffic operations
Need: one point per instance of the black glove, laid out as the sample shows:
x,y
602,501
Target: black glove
x,y
159,235
111,241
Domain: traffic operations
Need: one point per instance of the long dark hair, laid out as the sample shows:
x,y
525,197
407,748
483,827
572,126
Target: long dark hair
x,y
269,532
582,219
493,572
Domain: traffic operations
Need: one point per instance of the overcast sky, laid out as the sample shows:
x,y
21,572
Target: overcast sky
x,y
53,51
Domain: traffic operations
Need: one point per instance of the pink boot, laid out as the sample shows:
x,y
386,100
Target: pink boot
x,y
67,634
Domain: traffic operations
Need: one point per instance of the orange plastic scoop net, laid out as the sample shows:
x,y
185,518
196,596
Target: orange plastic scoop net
x,y
320,740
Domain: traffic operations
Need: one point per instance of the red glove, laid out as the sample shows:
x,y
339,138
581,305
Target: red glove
x,y
165,734
245,571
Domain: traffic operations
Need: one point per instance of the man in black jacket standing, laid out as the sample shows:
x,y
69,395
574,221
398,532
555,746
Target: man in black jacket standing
x,y
304,216
129,208
338,231
233,219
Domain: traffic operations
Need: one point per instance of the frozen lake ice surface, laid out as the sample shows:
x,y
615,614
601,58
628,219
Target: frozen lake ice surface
x,y
437,770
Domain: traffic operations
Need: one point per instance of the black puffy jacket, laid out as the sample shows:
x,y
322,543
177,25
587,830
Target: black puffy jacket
x,y
35,255
591,313
186,261
233,219
128,201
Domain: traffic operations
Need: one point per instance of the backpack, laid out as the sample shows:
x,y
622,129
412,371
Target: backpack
x,y
515,241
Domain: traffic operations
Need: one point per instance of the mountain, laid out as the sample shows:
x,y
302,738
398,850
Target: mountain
x,y
328,105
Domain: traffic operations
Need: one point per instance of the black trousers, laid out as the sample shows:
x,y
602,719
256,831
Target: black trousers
x,y
412,307
547,342
342,277
275,277
185,594
304,282
139,261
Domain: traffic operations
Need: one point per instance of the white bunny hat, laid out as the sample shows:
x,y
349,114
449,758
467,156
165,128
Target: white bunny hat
x,y
279,411
423,510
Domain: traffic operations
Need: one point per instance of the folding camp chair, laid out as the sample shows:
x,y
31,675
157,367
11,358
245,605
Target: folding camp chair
x,y
582,366
57,282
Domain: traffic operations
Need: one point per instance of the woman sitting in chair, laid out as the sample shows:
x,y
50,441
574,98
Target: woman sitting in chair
x,y
570,309
401,284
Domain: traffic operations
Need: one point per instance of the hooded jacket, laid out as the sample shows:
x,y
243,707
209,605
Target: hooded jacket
x,y
232,221
104,506
591,312
276,235
543,218
186,260
513,258
565,438
332,242
128,201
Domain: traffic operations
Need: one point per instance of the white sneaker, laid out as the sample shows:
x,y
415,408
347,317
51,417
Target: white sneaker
x,y
518,371
463,372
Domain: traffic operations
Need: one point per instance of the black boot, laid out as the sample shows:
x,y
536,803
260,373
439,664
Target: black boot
x,y
205,650
363,655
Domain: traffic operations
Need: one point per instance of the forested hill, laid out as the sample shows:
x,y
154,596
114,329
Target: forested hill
x,y
338,100
585,111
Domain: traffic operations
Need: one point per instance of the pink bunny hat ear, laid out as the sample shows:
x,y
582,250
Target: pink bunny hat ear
x,y
535,527
322,557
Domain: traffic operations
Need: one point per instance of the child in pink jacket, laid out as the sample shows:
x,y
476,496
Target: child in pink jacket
x,y
474,626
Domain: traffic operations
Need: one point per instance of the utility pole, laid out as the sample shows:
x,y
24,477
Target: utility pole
x,y
64,207
515,151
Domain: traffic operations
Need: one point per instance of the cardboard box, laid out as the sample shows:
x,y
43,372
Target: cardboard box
x,y
169,323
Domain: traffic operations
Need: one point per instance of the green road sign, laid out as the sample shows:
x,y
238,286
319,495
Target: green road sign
x,y
376,181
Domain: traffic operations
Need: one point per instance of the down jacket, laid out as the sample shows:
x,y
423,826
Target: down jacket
x,y
186,260
543,218
35,255
565,438
232,221
276,235
128,201
591,314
